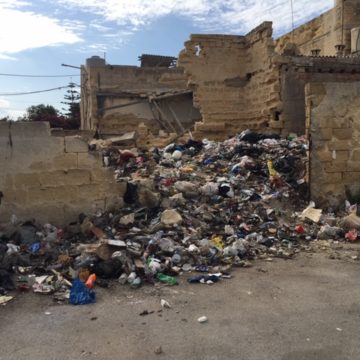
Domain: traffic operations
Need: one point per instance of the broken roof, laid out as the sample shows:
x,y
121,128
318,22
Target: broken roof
x,y
157,61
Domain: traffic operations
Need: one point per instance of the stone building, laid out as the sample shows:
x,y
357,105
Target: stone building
x,y
305,82
117,99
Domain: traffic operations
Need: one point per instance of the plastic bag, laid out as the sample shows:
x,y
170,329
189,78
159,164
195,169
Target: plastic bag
x,y
80,294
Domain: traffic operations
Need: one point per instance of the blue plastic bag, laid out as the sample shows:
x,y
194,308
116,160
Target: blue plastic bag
x,y
34,248
80,294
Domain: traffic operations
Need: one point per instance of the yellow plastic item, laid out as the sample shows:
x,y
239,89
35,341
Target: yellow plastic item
x,y
217,242
271,169
187,169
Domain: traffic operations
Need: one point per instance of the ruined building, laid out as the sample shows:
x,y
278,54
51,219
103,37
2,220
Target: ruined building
x,y
305,82
235,82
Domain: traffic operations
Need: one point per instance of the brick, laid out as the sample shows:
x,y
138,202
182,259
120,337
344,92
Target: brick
x,y
341,155
353,166
14,195
322,155
325,178
26,180
89,160
336,166
28,129
351,177
65,161
323,122
355,155
340,123
75,144
343,134
322,134
339,145
64,177
328,189
101,175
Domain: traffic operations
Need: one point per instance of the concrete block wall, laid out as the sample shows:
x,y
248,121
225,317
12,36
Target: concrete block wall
x,y
51,178
333,125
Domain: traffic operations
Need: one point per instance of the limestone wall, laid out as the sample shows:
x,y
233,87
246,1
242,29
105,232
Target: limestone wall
x,y
235,86
50,178
297,71
108,86
333,124
324,32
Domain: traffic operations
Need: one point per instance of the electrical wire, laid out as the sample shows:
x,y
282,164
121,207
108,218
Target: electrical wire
x,y
39,76
37,91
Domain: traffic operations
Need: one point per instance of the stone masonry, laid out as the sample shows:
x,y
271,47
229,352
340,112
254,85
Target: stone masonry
x,y
333,124
325,31
53,178
235,85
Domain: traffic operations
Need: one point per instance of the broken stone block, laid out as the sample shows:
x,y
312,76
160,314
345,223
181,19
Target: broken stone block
x,y
171,217
188,188
148,198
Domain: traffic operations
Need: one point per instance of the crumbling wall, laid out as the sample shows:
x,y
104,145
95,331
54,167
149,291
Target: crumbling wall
x,y
107,88
326,31
333,123
52,178
235,85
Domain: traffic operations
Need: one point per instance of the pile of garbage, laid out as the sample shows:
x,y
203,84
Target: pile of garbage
x,y
198,208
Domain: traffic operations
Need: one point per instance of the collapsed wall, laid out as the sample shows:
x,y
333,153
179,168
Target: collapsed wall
x,y
333,124
234,82
117,99
53,178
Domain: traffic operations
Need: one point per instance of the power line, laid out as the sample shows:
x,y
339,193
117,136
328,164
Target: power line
x,y
36,92
39,76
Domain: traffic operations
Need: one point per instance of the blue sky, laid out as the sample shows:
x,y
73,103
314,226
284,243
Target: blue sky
x,y
37,36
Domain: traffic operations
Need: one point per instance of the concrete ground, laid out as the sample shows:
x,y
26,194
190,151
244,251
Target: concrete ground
x,y
302,309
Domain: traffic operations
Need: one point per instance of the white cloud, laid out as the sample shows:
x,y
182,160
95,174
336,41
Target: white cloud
x,y
220,15
4,103
6,57
14,114
100,27
7,111
22,30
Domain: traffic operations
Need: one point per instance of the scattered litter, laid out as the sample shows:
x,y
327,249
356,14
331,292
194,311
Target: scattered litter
x,y
311,213
5,299
80,294
202,319
198,208
165,304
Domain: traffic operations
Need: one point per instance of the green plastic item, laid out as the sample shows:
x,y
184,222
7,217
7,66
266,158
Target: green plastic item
x,y
166,279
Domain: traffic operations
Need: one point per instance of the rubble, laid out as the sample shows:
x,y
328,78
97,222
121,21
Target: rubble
x,y
198,208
